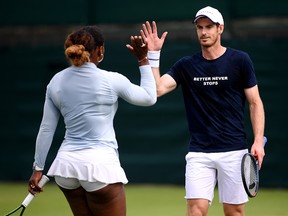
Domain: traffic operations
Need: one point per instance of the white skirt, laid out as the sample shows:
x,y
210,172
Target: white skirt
x,y
99,164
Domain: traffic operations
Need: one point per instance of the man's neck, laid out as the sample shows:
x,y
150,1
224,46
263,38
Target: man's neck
x,y
213,52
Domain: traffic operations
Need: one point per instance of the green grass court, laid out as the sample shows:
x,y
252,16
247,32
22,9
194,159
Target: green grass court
x,y
142,200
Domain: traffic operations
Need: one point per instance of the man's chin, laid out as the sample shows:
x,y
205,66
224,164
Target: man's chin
x,y
206,45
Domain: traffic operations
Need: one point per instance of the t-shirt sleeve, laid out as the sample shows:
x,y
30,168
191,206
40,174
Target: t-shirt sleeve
x,y
174,72
248,72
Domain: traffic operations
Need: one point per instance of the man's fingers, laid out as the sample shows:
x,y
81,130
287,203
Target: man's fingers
x,y
154,26
148,26
144,29
164,36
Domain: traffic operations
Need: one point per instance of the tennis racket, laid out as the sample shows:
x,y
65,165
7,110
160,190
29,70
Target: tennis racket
x,y
250,173
28,198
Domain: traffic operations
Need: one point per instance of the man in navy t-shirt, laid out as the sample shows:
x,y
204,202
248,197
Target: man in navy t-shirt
x,y
216,82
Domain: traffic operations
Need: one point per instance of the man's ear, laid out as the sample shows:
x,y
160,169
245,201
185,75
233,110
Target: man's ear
x,y
221,27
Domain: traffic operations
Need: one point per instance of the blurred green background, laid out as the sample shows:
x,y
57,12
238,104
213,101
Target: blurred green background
x,y
153,141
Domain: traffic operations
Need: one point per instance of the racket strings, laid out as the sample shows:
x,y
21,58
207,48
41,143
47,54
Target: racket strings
x,y
250,172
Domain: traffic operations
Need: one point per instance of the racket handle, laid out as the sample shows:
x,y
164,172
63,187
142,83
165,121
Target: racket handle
x,y
30,196
43,181
265,140
27,200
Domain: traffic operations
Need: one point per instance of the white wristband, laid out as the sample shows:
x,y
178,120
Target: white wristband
x,y
154,58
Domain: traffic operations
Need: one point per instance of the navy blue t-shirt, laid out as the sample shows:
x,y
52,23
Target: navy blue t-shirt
x,y
213,92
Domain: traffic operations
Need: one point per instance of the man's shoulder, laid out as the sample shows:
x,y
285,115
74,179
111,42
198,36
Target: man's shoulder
x,y
194,57
237,52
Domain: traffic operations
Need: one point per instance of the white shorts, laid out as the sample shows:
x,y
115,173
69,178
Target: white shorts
x,y
72,183
205,170
89,165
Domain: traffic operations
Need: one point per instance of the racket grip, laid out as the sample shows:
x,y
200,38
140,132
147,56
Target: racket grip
x,y
30,196
27,200
43,181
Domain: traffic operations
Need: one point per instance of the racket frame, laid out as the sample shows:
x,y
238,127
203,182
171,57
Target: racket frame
x,y
254,162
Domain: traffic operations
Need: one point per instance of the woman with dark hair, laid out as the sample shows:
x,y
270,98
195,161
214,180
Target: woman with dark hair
x,y
87,167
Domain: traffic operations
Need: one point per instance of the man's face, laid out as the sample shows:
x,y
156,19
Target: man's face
x,y
208,32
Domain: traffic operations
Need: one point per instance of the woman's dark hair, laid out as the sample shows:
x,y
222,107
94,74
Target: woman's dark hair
x,y
96,34
79,46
